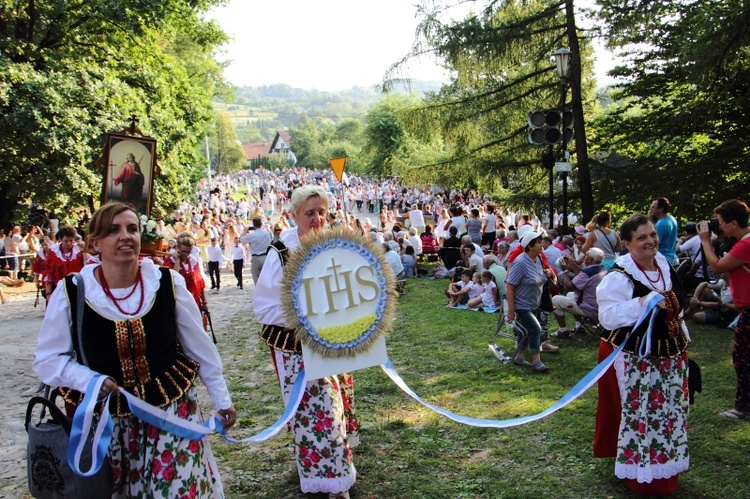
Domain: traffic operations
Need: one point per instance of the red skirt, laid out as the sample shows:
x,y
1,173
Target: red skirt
x,y
607,427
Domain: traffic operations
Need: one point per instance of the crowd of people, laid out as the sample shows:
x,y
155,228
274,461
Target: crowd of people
x,y
495,258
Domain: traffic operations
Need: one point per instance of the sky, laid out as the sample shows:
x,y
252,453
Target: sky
x,y
328,45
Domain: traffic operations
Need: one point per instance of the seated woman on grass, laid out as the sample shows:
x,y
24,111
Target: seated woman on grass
x,y
409,261
458,292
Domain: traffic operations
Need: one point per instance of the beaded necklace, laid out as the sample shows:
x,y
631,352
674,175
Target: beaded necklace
x,y
66,256
115,300
654,282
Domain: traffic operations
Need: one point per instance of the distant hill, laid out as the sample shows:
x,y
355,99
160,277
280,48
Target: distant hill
x,y
258,112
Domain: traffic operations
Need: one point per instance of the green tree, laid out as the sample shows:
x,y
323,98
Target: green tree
x,y
350,130
227,154
305,143
71,71
248,133
501,67
679,124
385,136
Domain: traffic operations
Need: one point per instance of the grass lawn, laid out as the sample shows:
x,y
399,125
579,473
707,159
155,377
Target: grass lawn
x,y
409,451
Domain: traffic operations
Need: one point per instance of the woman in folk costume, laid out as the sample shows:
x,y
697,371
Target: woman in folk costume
x,y
324,427
62,259
641,417
190,268
140,328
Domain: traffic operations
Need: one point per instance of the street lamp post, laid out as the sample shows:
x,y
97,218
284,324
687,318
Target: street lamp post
x,y
562,60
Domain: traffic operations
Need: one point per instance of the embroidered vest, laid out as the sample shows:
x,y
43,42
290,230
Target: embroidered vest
x,y
141,354
277,337
667,338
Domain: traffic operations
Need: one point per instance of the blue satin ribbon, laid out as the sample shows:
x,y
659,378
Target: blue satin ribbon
x,y
298,391
165,421
82,422
83,419
579,389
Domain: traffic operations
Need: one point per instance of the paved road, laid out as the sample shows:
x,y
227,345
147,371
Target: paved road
x,y
19,324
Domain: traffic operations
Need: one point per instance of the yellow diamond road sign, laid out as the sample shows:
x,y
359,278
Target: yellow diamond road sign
x,y
338,165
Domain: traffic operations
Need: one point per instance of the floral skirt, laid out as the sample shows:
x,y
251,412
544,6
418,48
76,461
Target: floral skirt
x,y
652,442
148,462
325,427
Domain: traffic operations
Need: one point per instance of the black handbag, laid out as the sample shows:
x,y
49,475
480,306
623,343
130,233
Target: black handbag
x,y
47,469
48,472
546,302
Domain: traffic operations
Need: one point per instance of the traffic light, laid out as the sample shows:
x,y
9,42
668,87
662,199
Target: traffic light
x,y
545,127
567,123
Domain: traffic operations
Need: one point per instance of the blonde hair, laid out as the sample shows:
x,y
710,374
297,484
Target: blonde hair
x,y
300,195
186,239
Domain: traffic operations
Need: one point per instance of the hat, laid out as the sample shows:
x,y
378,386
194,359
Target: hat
x,y
580,230
530,236
524,229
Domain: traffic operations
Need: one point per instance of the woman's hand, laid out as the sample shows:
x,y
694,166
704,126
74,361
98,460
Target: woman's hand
x,y
228,416
550,275
662,304
703,231
109,386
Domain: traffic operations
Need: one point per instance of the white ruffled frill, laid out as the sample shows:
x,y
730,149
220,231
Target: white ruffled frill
x,y
628,264
106,307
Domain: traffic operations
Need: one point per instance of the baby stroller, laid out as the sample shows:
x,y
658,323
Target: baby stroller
x,y
511,330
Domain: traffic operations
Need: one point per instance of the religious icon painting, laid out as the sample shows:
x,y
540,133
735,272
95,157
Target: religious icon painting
x,y
129,167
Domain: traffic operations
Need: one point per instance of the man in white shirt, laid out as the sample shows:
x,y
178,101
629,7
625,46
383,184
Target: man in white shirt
x,y
238,260
414,241
258,239
394,260
417,219
690,243
214,254
552,253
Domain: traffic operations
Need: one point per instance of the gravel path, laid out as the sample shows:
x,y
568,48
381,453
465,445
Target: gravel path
x,y
20,322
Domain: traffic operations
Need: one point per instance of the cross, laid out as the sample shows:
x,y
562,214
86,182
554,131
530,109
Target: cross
x,y
133,121
334,267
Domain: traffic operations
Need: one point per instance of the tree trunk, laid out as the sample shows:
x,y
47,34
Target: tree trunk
x,y
579,130
8,203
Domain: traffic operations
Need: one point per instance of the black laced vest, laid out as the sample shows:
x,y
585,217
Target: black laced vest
x,y
141,354
668,340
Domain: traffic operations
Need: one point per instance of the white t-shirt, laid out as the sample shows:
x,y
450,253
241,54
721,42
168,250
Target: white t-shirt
x,y
490,223
417,218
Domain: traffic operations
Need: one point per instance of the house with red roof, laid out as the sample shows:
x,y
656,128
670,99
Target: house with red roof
x,y
255,152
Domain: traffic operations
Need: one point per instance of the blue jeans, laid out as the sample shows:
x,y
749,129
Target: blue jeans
x,y
533,331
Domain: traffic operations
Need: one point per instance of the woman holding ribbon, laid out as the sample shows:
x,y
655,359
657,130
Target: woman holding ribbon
x,y
324,426
141,329
641,418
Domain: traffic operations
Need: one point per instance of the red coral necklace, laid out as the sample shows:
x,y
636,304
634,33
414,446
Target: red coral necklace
x,y
658,277
115,300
